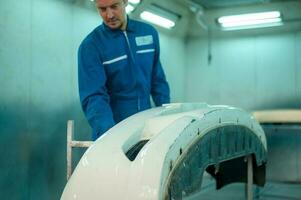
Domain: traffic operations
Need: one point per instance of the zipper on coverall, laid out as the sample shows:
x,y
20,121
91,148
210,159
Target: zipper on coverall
x,y
132,56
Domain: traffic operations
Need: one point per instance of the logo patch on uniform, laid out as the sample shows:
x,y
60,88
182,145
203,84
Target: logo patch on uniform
x,y
144,40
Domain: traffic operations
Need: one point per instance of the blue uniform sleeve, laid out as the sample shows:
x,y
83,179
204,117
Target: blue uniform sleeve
x,y
159,87
92,89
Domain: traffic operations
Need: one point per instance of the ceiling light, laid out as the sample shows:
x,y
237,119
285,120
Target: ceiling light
x,y
134,1
129,8
157,19
252,20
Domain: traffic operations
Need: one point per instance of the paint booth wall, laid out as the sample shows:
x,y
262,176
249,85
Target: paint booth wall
x,y
38,94
38,78
251,72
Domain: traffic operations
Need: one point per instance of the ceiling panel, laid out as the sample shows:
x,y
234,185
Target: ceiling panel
x,y
230,3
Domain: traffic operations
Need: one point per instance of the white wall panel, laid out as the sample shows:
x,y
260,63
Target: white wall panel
x,y
203,83
275,69
250,72
236,71
173,61
15,52
38,78
298,68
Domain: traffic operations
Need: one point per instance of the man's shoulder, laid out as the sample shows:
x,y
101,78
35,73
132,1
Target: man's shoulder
x,y
142,26
90,38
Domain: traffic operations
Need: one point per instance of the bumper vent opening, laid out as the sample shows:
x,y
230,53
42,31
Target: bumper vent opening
x,y
135,149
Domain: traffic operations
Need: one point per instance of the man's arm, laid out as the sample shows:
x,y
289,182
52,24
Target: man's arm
x,y
159,88
92,89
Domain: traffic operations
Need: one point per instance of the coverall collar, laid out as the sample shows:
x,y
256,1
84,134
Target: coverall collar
x,y
129,28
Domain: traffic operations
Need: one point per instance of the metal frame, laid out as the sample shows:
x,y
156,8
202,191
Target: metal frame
x,y
73,144
249,186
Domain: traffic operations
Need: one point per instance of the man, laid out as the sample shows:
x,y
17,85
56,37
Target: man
x,y
119,68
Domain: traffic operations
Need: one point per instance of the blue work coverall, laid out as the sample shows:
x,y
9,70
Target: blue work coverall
x,y
117,72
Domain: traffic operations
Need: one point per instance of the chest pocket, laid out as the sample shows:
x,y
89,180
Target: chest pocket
x,y
145,58
116,64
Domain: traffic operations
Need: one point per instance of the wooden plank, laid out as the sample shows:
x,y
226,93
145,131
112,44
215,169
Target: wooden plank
x,y
278,116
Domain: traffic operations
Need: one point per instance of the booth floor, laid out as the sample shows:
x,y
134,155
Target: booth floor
x,y
236,191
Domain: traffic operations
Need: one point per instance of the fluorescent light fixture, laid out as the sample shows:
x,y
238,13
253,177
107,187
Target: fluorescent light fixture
x,y
134,1
157,19
249,17
253,20
129,8
130,1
